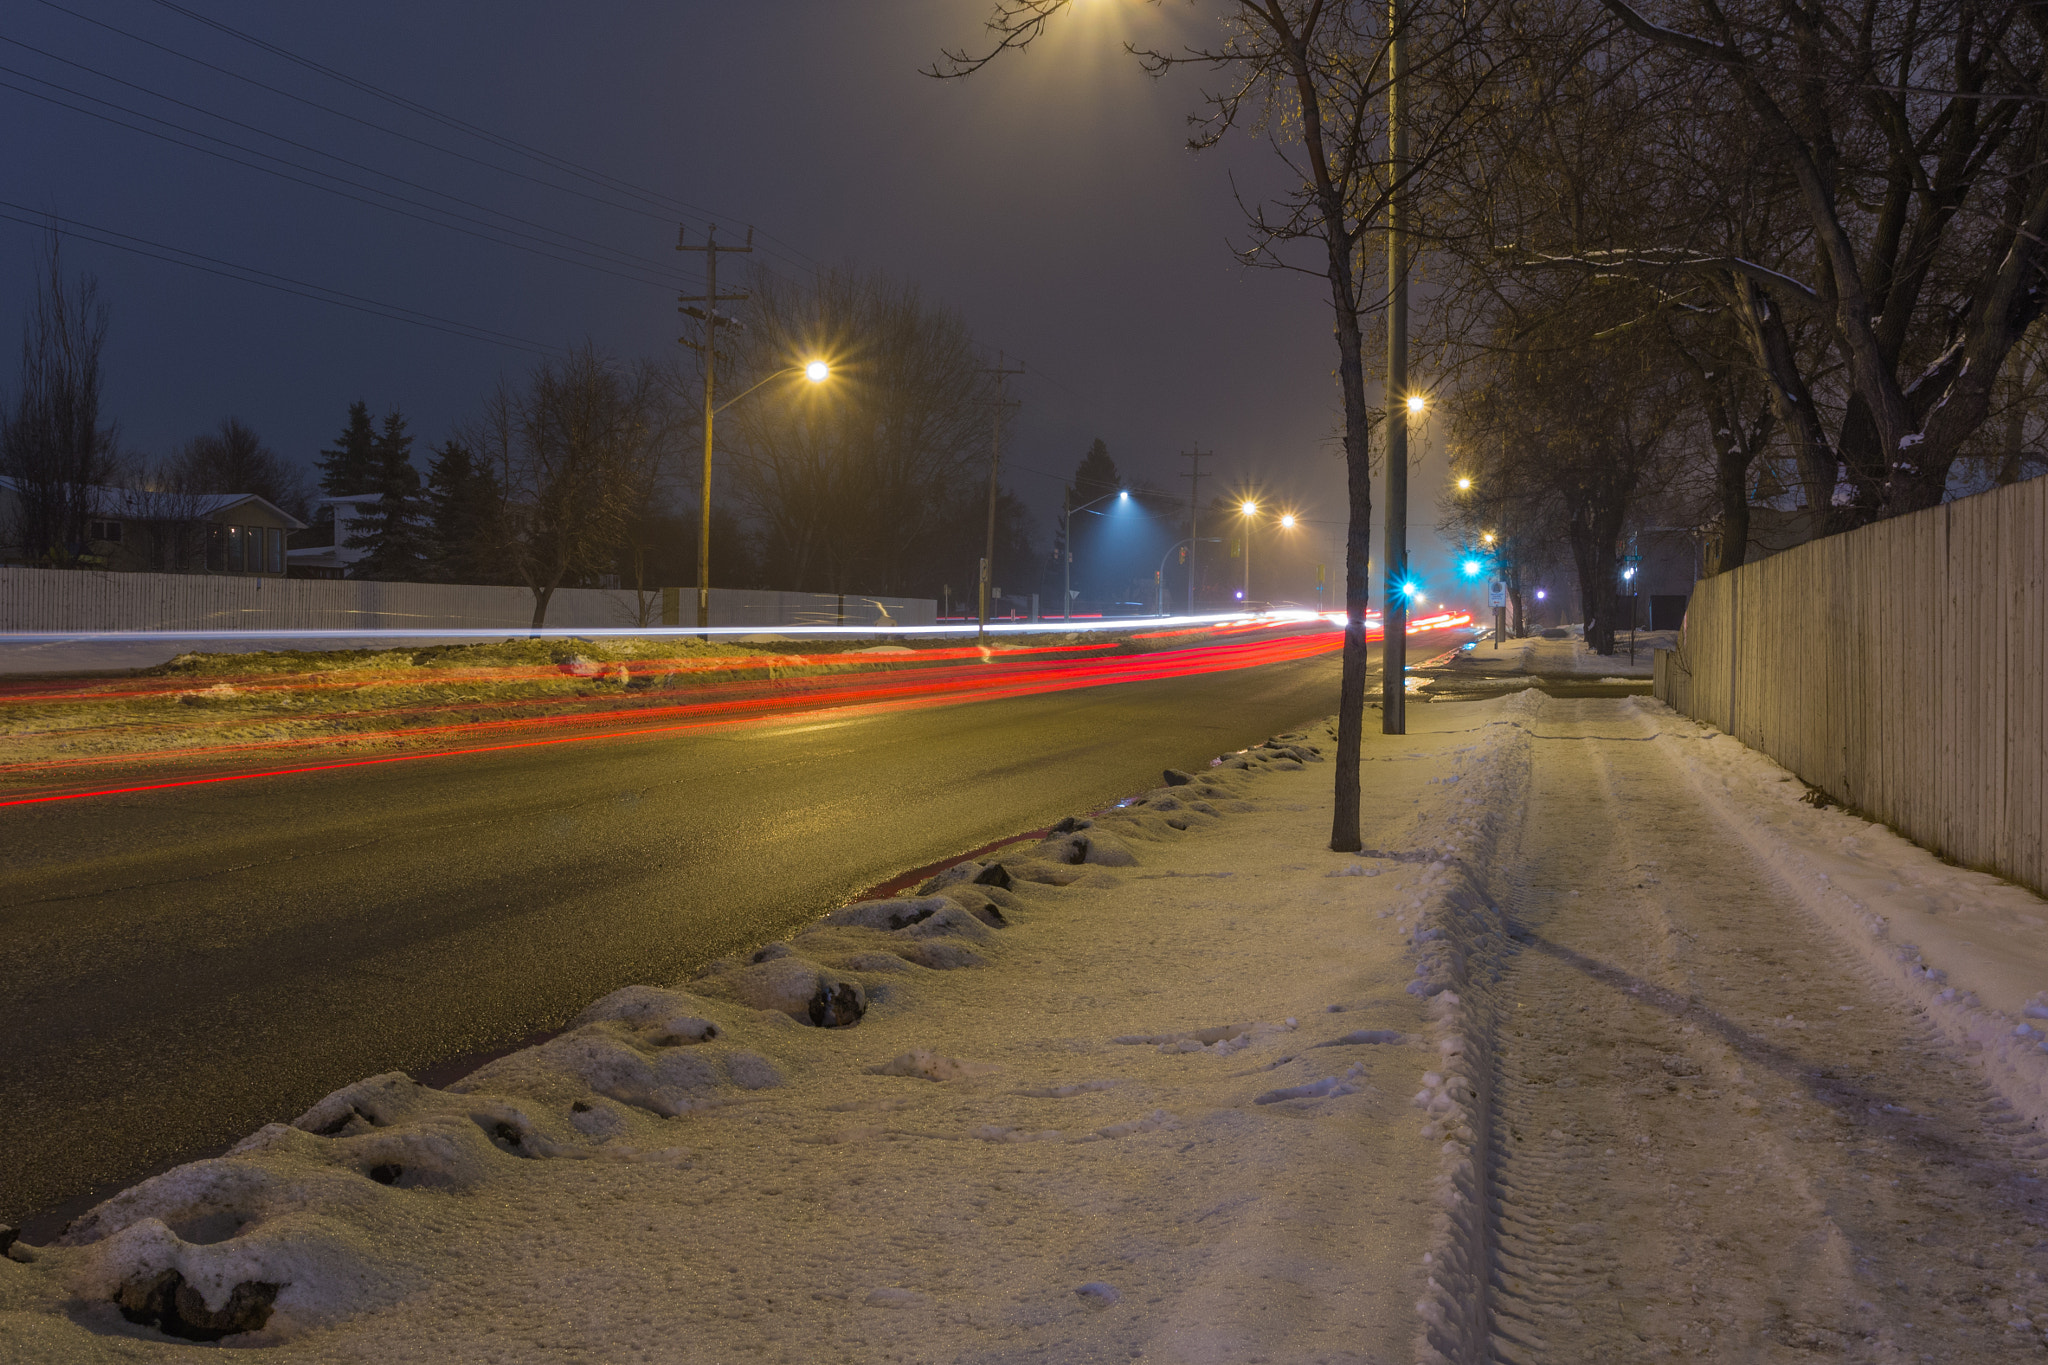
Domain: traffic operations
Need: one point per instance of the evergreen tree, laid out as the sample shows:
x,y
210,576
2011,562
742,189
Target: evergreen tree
x,y
390,533
461,515
1096,475
351,466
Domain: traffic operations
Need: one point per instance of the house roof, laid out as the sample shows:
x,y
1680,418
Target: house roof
x,y
144,503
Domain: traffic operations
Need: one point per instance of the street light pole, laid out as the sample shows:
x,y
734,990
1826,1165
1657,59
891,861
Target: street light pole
x,y
1249,509
1394,607
1067,543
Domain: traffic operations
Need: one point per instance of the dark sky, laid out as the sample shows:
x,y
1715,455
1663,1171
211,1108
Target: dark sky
x,y
1050,200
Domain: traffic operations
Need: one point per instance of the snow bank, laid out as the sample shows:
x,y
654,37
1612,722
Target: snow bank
x,y
1139,1089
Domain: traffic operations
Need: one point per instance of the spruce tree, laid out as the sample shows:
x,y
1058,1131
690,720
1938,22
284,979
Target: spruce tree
x,y
351,465
390,532
461,510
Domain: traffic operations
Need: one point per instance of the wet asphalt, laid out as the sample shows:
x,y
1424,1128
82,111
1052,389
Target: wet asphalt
x,y
178,968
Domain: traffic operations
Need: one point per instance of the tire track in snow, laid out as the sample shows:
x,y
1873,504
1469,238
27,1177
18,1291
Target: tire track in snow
x,y
1714,1134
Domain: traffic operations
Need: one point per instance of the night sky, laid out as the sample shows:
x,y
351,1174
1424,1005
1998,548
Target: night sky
x,y
1049,199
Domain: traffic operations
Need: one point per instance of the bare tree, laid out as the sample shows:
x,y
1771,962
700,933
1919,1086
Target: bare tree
x,y
867,482
569,450
1565,424
1312,77
233,459
51,442
1901,151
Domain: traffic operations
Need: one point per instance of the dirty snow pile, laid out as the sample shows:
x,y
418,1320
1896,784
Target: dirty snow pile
x,y
1173,1083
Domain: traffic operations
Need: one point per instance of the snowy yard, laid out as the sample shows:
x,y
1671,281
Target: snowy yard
x,y
1608,1048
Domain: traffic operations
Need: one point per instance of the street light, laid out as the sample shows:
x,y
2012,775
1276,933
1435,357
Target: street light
x,y
817,372
1415,402
1067,545
1465,483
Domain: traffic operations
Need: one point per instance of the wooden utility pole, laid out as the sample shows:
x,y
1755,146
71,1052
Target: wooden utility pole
x,y
997,406
708,315
1194,478
1394,603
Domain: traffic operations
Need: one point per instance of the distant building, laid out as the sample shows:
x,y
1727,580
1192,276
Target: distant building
x,y
144,530
323,550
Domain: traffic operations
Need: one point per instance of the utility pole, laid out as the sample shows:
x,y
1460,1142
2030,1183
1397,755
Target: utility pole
x,y
1394,604
708,315
995,464
1194,478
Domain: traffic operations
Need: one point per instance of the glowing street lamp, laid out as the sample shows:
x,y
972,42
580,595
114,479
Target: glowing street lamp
x,y
1248,509
1465,483
817,372
1415,402
1122,495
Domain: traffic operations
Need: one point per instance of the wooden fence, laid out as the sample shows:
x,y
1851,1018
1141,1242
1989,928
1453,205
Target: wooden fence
x,y
61,601
1899,668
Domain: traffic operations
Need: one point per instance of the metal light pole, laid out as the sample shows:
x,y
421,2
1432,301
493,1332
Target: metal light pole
x,y
1067,544
1248,510
1394,606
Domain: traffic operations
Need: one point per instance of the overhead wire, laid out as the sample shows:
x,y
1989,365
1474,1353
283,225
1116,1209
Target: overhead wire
x,y
616,184
284,284
423,217
654,204
666,216
620,256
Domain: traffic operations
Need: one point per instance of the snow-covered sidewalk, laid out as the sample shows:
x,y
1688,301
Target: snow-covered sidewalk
x,y
1609,1047
1568,656
1146,1093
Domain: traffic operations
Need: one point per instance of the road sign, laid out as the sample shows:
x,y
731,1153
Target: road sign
x,y
1496,594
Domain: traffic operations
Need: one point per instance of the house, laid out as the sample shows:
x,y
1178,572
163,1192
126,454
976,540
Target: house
x,y
135,530
324,550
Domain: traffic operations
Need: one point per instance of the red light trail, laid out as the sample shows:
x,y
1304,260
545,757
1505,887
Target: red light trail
x,y
942,678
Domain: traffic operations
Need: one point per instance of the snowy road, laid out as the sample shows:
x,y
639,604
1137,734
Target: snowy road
x,y
182,966
1718,1135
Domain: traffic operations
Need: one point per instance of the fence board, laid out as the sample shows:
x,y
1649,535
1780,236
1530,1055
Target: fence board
x,y
53,601
1902,668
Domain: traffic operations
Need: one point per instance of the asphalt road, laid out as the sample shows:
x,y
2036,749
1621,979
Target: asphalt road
x,y
178,968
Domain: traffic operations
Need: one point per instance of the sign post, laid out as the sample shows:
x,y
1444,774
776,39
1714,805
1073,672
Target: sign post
x,y
1497,598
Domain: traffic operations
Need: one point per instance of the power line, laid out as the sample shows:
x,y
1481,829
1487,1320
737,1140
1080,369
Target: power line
x,y
661,216
311,171
283,284
655,198
623,257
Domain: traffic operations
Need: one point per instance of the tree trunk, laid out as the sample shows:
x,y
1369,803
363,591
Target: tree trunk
x,y
540,605
1733,477
1345,833
2015,441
